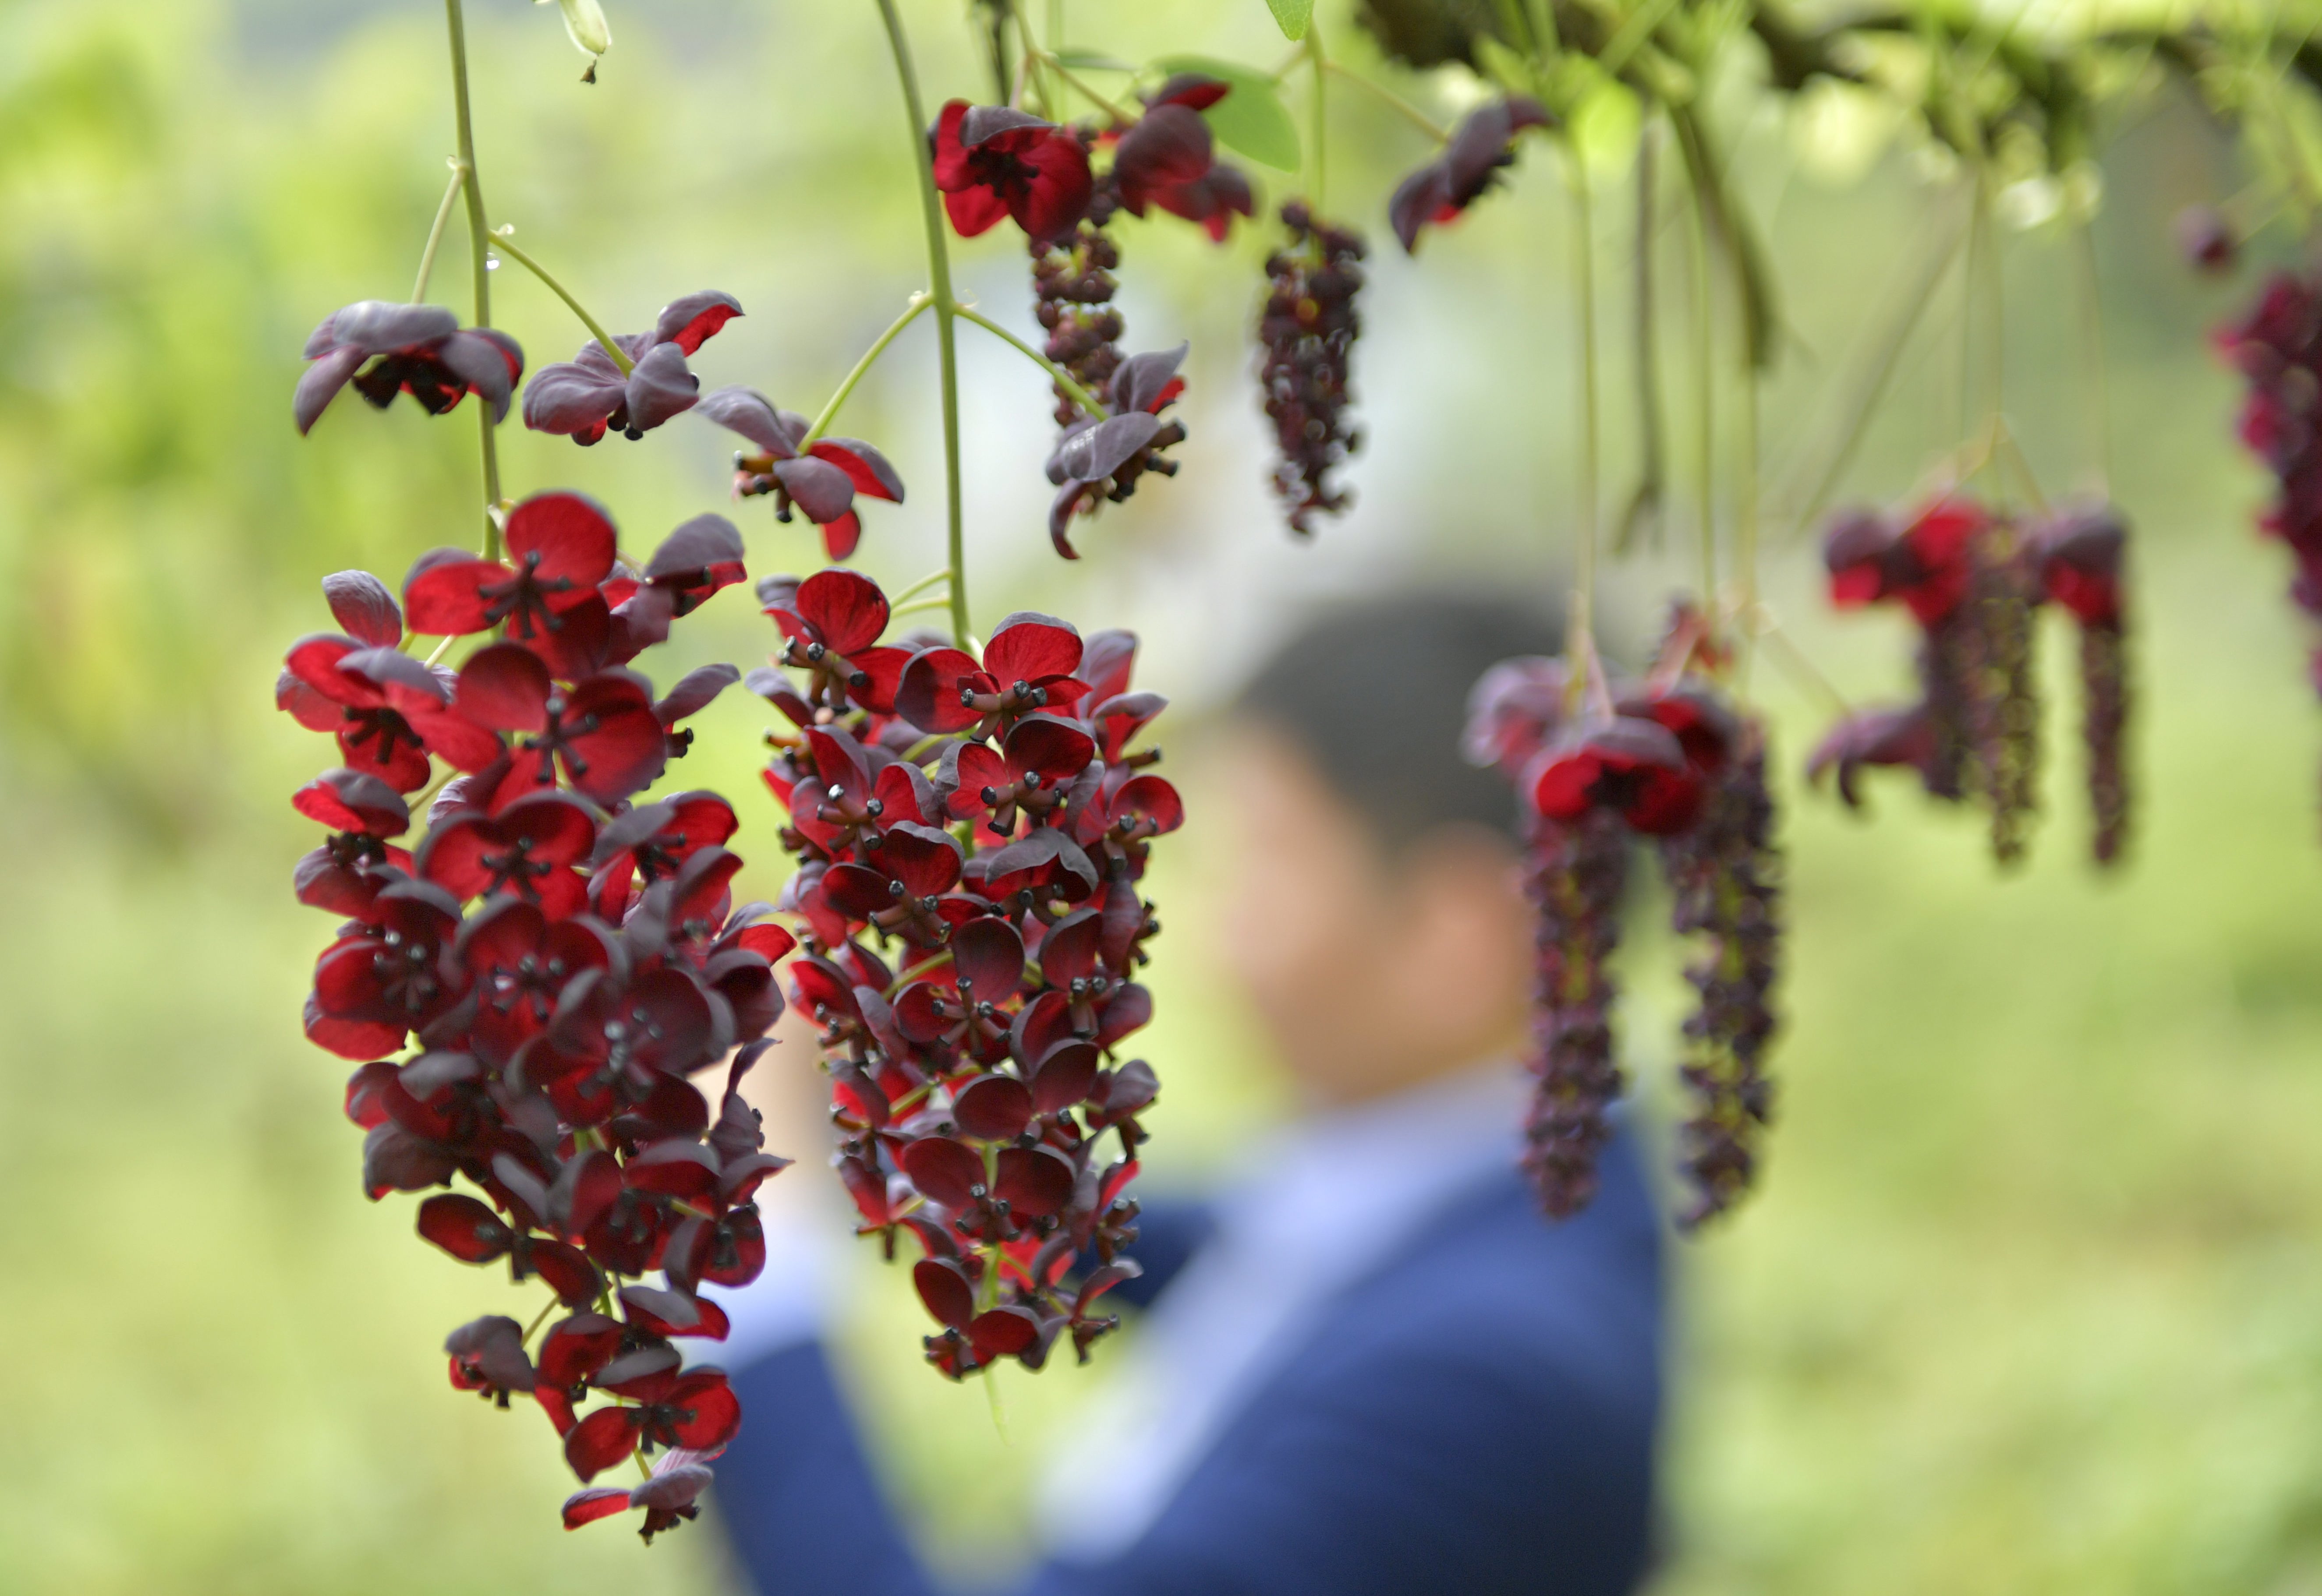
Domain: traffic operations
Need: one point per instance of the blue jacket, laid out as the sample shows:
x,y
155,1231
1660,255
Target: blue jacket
x,y
1479,1418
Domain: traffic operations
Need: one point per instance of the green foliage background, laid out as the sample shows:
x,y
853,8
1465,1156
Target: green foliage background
x,y
2030,1300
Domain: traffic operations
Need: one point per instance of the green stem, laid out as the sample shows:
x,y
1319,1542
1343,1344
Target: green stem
x,y
1321,73
542,1318
1393,101
1057,374
508,247
435,232
946,306
479,237
1646,505
939,601
1048,60
920,587
2092,355
919,302
1584,262
1705,314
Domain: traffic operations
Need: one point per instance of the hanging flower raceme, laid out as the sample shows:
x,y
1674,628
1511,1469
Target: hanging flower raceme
x,y
1307,329
1973,581
821,478
992,161
420,350
974,992
1672,762
1442,190
585,397
528,985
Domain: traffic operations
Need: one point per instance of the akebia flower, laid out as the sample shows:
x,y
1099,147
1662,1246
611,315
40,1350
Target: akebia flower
x,y
822,481
992,161
670,1494
420,350
1440,191
1167,158
559,546
1098,459
1630,766
589,395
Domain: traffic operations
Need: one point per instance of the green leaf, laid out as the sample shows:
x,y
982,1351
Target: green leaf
x,y
1251,118
1292,15
1092,60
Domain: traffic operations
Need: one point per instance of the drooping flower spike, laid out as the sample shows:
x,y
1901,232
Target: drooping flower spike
x,y
822,482
585,397
420,350
1308,329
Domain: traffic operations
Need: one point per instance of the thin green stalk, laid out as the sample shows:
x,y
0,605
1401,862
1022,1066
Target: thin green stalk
x,y
1705,328
435,232
1584,262
946,306
938,601
2092,355
1322,74
1646,505
1393,101
480,236
508,247
919,302
1048,60
1057,374
920,587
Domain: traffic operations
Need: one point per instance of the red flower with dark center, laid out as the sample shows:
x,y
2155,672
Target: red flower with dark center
x,y
562,545
902,886
418,350
822,481
831,623
388,710
473,1234
1442,189
392,973
1633,768
488,1357
1040,759
586,397
668,1495
696,1411
1028,664
613,1041
1103,459
603,733
1926,564
958,1005
518,962
526,850
992,161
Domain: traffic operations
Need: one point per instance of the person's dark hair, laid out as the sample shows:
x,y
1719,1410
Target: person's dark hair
x,y
1374,693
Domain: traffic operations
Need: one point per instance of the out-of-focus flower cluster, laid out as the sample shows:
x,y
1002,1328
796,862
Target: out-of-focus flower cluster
x,y
1973,580
1307,330
528,985
1668,760
972,831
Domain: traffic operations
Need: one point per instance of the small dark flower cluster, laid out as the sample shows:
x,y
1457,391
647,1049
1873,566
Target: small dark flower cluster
x,y
1669,760
558,957
1308,329
2277,347
985,823
1974,581
994,161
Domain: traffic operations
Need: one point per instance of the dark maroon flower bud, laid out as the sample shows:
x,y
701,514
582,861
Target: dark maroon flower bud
x,y
584,397
992,161
1442,189
1307,328
2206,239
420,350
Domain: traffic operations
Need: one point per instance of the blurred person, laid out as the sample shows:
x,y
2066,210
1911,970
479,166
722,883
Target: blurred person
x,y
1370,1365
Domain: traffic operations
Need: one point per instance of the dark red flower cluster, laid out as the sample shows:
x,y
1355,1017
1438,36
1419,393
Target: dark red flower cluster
x,y
585,397
420,350
555,957
1973,581
2277,346
1471,163
1308,329
1668,761
971,830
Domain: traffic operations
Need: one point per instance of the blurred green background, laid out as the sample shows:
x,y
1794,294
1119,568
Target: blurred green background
x,y
2029,1301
